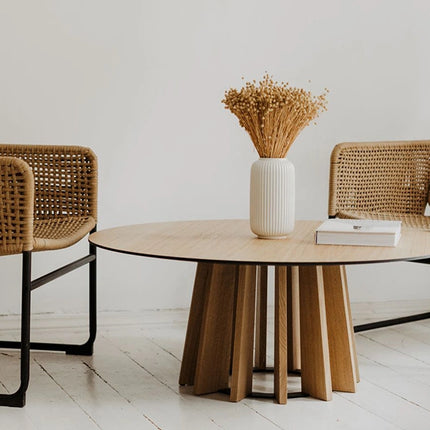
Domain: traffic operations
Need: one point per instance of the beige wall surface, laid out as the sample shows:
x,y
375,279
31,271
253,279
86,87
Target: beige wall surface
x,y
140,81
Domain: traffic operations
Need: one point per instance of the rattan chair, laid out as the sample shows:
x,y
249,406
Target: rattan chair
x,y
382,180
48,201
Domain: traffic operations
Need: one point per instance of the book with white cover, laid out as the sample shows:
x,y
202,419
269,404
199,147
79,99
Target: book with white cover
x,y
358,232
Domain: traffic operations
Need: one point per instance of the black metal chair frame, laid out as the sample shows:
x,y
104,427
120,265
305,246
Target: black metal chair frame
x,y
17,399
394,321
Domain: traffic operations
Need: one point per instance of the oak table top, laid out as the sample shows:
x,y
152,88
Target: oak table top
x,y
231,241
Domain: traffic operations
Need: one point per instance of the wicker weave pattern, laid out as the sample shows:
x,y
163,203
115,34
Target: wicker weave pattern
x,y
420,222
380,178
56,185
61,232
16,208
65,179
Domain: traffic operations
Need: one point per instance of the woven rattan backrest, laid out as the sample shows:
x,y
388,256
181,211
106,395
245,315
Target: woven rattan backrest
x,y
16,209
65,179
380,177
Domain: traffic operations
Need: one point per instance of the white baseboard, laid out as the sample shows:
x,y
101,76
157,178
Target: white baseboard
x,y
362,312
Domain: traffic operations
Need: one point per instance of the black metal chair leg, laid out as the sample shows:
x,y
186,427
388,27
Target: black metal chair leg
x,y
87,348
17,399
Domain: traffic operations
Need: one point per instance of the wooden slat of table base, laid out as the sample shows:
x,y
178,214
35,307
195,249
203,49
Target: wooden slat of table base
x,y
195,319
354,349
213,359
315,360
241,378
261,318
280,367
293,318
340,330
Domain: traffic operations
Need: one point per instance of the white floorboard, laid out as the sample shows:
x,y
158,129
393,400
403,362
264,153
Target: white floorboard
x,y
131,381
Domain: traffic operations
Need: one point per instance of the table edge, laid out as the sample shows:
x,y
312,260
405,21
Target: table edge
x,y
425,259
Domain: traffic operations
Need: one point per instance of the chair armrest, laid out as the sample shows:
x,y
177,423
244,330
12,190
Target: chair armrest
x,y
16,206
65,179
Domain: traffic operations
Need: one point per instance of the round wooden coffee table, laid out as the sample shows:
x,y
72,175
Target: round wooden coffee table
x,y
312,313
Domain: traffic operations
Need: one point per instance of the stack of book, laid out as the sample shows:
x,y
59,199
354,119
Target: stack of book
x,y
358,232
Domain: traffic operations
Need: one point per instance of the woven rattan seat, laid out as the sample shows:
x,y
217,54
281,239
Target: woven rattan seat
x,y
61,232
409,221
48,201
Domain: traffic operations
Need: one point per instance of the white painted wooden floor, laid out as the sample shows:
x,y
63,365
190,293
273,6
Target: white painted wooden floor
x,y
131,382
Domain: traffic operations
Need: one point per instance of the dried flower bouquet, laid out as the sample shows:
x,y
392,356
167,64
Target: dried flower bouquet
x,y
273,113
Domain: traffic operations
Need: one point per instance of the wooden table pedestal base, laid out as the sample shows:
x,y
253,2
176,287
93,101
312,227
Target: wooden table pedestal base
x,y
313,330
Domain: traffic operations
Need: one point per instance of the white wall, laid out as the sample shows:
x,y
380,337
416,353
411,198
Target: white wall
x,y
141,83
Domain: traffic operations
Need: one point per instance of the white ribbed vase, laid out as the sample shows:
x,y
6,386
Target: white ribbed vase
x,y
272,198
